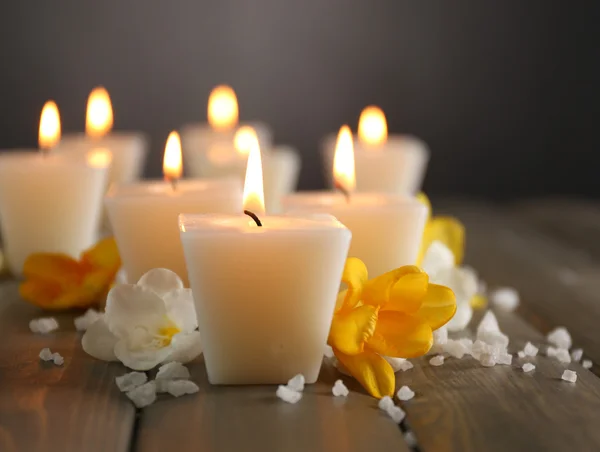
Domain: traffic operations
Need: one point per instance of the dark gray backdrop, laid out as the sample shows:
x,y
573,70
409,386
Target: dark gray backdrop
x,y
505,92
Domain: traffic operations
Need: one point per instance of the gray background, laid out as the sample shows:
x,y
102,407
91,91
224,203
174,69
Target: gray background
x,y
505,92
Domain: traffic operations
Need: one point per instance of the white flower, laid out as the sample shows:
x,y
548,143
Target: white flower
x,y
147,323
439,263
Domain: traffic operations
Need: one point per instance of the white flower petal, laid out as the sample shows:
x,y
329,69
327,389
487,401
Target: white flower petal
x,y
142,358
461,318
181,309
161,280
185,347
437,257
99,342
129,307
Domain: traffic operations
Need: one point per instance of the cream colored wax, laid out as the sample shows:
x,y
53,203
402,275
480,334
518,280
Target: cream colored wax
x,y
386,229
144,217
264,295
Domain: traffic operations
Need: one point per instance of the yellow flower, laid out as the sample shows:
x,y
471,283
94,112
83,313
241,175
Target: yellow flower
x,y
391,315
56,281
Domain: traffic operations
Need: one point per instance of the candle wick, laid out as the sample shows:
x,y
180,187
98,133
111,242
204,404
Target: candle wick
x,y
254,217
173,182
344,191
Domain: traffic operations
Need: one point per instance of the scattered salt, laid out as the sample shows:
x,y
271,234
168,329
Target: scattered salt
x,y
563,355
528,367
405,393
487,360
385,403
131,381
296,383
576,354
328,352
505,298
177,388
437,360
406,365
143,395
396,363
455,349
551,351
86,320
396,413
560,337
521,354
569,375
43,325
173,371
505,359
57,359
46,354
288,395
488,323
440,336
339,389
530,349
586,363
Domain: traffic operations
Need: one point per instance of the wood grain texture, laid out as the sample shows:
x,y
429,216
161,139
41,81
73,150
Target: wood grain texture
x,y
252,418
72,408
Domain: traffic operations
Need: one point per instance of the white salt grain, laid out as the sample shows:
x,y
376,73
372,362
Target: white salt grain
x,y
46,354
86,320
405,393
406,365
173,371
528,367
521,354
505,298
440,336
488,323
131,381
551,351
57,359
288,395
143,395
396,363
296,383
487,360
396,413
456,349
339,389
504,359
43,325
560,337
586,363
328,352
385,403
576,354
437,360
530,349
569,375
177,388
563,356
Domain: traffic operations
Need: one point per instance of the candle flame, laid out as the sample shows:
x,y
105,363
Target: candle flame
x,y
244,139
99,158
99,116
254,198
343,161
222,108
372,126
49,133
172,166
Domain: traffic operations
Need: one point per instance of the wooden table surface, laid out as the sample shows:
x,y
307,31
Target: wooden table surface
x,y
547,249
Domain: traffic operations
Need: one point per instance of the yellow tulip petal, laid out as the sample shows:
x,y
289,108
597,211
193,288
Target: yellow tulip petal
x,y
408,293
350,329
103,254
53,267
400,335
39,292
355,276
439,306
372,371
478,301
447,230
377,291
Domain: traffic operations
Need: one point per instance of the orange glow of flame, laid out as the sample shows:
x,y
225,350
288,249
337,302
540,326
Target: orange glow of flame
x,y
343,161
99,116
99,158
254,198
172,166
372,127
222,108
245,138
49,133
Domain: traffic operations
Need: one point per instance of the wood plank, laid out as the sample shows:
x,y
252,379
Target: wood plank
x,y
75,407
251,418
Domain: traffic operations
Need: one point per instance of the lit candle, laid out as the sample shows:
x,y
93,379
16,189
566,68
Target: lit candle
x,y
265,288
128,148
386,228
49,203
220,148
143,215
385,164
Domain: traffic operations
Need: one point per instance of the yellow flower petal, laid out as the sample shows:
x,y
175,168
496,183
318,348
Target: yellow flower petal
x,y
372,371
377,291
400,335
478,301
439,306
355,276
52,267
408,293
350,329
447,230
103,254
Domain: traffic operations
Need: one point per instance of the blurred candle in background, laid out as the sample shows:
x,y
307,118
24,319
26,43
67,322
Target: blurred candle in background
x,y
384,163
49,203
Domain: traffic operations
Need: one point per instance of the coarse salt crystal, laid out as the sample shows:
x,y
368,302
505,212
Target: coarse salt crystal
x,y
527,367
131,381
296,383
396,363
406,365
505,298
43,325
143,395
530,349
405,393
488,323
86,320
385,403
563,355
177,388
569,375
437,360
396,413
560,337
587,364
494,338
576,354
505,359
440,336
288,395
339,389
455,349
46,354
487,360
57,359
173,371
551,351
521,354
328,352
